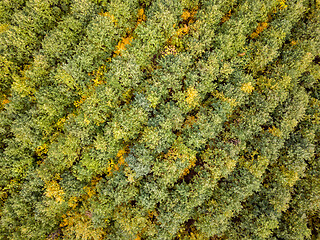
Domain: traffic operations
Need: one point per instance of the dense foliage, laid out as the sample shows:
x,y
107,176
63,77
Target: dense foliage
x,y
163,119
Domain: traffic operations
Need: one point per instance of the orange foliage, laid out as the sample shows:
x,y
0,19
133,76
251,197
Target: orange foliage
x,y
79,102
120,155
91,189
262,26
115,167
185,15
189,15
141,16
126,40
5,101
183,30
187,169
293,42
226,17
189,121
122,45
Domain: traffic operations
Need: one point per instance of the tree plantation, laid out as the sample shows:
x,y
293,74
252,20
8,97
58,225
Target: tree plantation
x,y
160,119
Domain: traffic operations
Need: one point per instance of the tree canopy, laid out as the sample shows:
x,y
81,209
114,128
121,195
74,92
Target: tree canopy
x,y
163,119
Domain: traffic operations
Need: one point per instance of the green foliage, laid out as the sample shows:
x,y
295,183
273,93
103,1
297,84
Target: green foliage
x,y
165,119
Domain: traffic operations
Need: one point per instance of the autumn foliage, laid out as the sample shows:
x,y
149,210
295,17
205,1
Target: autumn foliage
x,y
160,120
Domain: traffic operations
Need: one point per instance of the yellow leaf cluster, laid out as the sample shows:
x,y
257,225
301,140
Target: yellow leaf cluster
x,y
126,40
60,122
41,150
182,30
152,214
66,221
4,27
109,168
264,83
79,226
180,151
127,95
91,188
89,191
99,122
73,202
282,4
95,180
98,75
188,19
192,163
130,174
290,176
192,96
53,190
79,102
254,163
3,195
293,42
247,87
86,121
275,131
185,15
